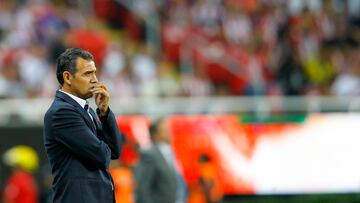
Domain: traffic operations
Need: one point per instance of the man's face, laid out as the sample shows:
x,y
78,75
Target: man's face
x,y
84,78
164,132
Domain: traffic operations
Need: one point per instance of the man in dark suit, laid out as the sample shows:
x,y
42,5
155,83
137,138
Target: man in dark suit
x,y
79,142
158,180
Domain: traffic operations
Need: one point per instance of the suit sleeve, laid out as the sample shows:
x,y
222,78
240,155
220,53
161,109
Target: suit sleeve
x,y
71,131
145,176
111,134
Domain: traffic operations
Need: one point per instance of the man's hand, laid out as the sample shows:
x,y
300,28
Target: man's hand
x,y
102,97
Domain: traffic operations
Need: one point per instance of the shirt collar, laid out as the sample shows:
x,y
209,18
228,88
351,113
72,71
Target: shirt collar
x,y
80,101
164,147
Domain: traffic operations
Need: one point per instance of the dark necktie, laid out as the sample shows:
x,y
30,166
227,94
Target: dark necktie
x,y
87,109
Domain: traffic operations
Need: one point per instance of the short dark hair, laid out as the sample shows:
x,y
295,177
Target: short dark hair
x,y
154,127
204,158
67,62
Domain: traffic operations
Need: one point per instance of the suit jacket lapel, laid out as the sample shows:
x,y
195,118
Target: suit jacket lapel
x,y
79,108
165,162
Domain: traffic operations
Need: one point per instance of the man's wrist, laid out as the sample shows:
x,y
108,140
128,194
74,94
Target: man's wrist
x,y
103,113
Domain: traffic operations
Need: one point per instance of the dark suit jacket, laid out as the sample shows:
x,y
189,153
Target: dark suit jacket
x,y
79,152
156,180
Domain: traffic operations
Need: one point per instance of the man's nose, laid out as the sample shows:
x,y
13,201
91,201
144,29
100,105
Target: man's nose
x,y
94,79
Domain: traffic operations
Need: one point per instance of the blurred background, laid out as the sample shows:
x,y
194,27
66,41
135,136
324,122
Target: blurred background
x,y
268,90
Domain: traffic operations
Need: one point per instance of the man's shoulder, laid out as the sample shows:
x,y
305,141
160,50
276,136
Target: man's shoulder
x,y
150,152
58,106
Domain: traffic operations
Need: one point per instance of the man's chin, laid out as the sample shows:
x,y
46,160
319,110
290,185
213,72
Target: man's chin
x,y
87,96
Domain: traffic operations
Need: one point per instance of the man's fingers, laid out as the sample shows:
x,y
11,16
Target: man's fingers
x,y
101,94
98,97
100,85
97,90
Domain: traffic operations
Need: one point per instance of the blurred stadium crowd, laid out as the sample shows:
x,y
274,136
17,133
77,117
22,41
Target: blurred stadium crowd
x,y
208,47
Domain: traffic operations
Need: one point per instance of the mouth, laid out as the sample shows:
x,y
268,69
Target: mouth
x,y
94,85
91,90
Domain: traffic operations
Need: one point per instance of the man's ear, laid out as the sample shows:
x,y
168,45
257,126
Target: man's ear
x,y
67,77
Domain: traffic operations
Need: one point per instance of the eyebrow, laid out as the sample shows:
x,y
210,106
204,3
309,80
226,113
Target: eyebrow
x,y
90,71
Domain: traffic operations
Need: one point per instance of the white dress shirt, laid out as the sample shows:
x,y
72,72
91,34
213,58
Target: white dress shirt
x,y
81,102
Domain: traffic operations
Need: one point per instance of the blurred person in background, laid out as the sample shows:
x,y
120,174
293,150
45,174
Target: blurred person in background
x,y
348,82
40,30
144,68
21,186
290,74
208,188
157,173
320,70
122,173
123,180
79,142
